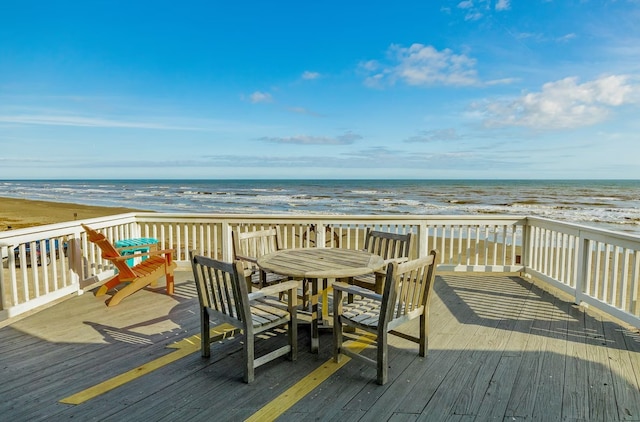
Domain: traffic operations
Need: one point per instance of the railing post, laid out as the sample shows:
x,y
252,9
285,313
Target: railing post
x,y
582,270
321,235
4,251
76,260
526,247
423,237
227,242
136,229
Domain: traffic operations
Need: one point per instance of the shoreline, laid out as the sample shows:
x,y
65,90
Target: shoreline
x,y
21,213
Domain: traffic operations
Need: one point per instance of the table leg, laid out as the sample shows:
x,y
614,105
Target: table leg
x,y
315,342
325,301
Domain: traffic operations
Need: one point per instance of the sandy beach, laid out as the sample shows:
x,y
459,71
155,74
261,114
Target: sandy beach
x,y
20,213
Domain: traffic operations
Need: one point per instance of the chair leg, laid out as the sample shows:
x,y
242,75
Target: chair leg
x,y
337,341
108,285
205,341
337,325
424,334
379,284
131,288
249,357
168,272
293,326
383,357
170,281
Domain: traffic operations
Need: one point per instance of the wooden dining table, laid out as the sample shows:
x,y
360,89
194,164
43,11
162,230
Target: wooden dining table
x,y
320,265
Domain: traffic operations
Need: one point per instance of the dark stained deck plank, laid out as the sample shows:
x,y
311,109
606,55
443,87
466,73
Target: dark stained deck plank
x,y
499,348
627,392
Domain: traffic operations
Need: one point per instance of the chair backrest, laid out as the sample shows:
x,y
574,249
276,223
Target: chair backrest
x,y
407,290
109,252
254,244
388,245
221,289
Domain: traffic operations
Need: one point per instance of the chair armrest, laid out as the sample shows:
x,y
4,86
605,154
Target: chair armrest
x,y
383,272
397,260
356,290
247,258
274,289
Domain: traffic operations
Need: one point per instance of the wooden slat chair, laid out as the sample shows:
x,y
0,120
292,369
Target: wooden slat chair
x,y
223,296
158,263
392,247
406,296
248,247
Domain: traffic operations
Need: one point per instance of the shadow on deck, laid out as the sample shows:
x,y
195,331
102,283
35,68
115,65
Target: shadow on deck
x,y
499,348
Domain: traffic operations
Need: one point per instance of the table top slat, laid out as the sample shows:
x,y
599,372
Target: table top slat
x,y
321,262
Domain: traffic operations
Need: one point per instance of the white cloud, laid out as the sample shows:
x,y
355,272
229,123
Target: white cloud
x,y
371,158
503,5
310,75
566,37
563,104
503,81
421,65
80,121
473,16
302,110
371,65
434,135
260,97
476,10
345,139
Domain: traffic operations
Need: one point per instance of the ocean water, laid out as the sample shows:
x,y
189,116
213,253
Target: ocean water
x,y
610,204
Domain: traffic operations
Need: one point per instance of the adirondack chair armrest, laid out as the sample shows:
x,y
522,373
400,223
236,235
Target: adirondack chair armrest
x,y
141,254
161,252
291,285
356,290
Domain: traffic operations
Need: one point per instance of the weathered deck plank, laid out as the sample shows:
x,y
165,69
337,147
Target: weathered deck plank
x,y
602,404
499,348
575,400
552,375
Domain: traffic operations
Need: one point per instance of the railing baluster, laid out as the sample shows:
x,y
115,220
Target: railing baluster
x,y
635,286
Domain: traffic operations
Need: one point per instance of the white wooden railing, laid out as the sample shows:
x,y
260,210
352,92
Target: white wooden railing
x,y
597,267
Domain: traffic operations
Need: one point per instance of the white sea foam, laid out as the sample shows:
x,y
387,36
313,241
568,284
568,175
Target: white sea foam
x,y
602,203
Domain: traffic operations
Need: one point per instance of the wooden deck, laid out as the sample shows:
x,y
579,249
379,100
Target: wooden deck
x,y
500,348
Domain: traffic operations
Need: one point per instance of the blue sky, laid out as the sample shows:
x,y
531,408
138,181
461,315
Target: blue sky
x,y
333,89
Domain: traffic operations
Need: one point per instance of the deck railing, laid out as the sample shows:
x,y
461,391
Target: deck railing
x,y
597,267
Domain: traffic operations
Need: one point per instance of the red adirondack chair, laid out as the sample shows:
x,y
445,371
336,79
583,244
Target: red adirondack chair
x,y
158,263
